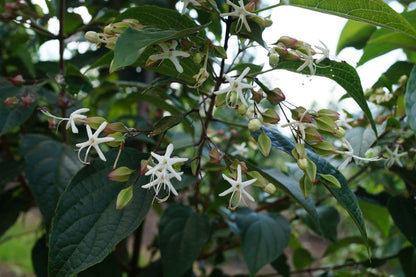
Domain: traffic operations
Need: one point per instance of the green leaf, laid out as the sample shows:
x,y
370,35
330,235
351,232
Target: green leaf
x,y
12,203
354,34
281,266
40,257
342,73
11,117
109,267
165,124
263,237
87,225
132,43
360,139
407,258
49,167
344,195
302,258
377,215
374,12
158,17
264,143
403,212
183,233
343,243
393,74
10,169
410,99
383,41
329,219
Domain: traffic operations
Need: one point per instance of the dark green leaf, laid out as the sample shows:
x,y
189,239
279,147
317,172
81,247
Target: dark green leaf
x,y
374,12
281,266
403,212
183,233
377,215
393,74
12,203
302,258
354,34
342,73
165,124
263,237
9,170
329,219
343,243
72,22
410,99
87,225
407,258
344,195
11,117
109,267
40,257
49,167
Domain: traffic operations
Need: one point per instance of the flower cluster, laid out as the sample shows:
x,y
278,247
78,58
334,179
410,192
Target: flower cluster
x,y
162,172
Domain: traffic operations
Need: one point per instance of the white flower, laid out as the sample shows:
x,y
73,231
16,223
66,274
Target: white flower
x,y
236,85
187,2
237,189
325,52
93,141
350,155
240,149
171,54
394,157
162,172
308,58
299,125
75,116
241,13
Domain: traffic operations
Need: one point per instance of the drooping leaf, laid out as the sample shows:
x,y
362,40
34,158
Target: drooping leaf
x,y
410,99
302,258
377,215
12,203
329,219
109,267
50,165
403,212
87,225
263,237
182,233
345,242
393,74
165,124
342,73
40,257
11,117
344,195
374,12
354,34
281,265
407,258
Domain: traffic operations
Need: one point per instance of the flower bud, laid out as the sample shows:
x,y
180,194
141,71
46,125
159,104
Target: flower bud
x,y
17,80
121,174
115,127
270,116
124,197
301,114
329,113
260,182
254,124
281,49
118,139
302,164
270,188
312,135
250,6
326,124
257,96
324,148
94,122
197,58
273,60
11,102
27,100
275,96
111,42
92,37
143,166
305,186
403,80
243,165
267,22
289,42
339,133
214,155
242,109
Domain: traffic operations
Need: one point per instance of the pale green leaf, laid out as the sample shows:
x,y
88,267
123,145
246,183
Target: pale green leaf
x,y
354,34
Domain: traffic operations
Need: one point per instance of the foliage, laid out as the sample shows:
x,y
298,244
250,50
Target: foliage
x,y
159,120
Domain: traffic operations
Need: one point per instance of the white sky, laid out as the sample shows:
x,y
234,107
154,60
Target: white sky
x,y
301,24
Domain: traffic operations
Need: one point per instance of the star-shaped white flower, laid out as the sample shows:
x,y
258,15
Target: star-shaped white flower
x,y
324,51
241,13
93,141
350,155
187,2
240,149
308,60
170,53
75,116
394,157
237,189
236,85
162,172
